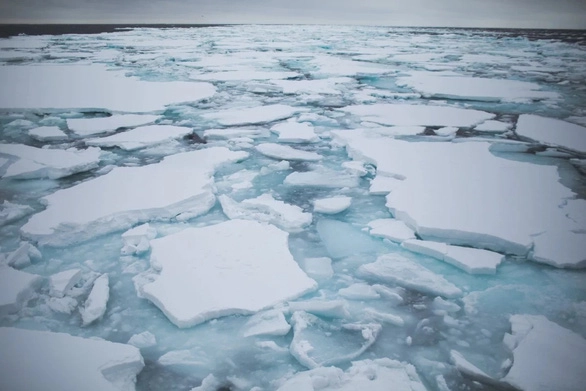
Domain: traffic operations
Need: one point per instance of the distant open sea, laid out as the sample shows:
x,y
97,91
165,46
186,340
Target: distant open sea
x,y
8,30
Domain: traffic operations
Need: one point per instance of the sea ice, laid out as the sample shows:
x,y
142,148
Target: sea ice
x,y
342,239
384,317
22,256
318,268
474,88
493,126
315,344
324,308
141,137
47,133
284,152
359,291
60,283
179,183
371,375
239,254
136,240
271,322
332,205
422,115
265,208
10,212
41,360
110,89
546,356
90,126
295,132
552,131
32,163
383,185
470,370
16,288
322,177
394,230
396,269
234,133
560,249
144,340
95,305
315,86
253,115
242,75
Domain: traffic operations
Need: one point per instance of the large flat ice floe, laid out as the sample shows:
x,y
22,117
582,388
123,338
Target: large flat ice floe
x,y
418,115
41,360
110,90
31,162
474,88
90,126
235,267
551,131
437,200
141,137
404,272
546,356
253,115
179,183
371,375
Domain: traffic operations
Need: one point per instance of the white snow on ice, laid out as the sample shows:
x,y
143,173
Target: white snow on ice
x,y
141,137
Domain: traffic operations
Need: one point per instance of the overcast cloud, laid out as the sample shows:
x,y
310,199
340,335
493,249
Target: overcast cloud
x,y
462,13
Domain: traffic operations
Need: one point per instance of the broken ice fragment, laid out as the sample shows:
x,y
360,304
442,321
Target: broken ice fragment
x,y
16,288
394,230
97,301
60,283
284,152
332,205
271,322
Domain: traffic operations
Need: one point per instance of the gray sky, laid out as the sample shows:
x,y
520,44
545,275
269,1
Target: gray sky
x,y
463,13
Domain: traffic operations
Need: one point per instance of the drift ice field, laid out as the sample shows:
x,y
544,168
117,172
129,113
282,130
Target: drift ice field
x,y
293,208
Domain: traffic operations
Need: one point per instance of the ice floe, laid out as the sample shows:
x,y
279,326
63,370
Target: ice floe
x,y
284,152
372,375
60,283
322,177
47,133
318,268
324,308
179,183
560,248
234,133
95,305
242,75
253,115
316,86
267,209
16,288
397,269
546,356
136,240
32,162
551,131
493,126
238,254
332,205
146,339
271,322
141,137
10,212
90,126
75,363
22,256
111,90
394,230
295,132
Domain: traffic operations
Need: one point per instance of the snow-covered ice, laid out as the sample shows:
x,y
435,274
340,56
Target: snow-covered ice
x,y
332,205
394,230
136,240
253,115
141,137
177,184
60,283
284,152
397,269
16,288
320,177
95,305
318,268
90,126
41,360
31,162
295,132
546,356
551,131
266,323
47,133
237,254
493,126
146,339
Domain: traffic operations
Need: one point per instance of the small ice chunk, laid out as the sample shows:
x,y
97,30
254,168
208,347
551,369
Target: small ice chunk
x,y
239,254
550,131
493,126
144,136
471,260
231,133
253,115
22,256
469,369
10,212
359,291
332,205
90,126
318,268
402,271
35,163
355,167
394,230
284,152
136,240
267,209
16,288
571,255
60,283
270,322
382,184
63,305
446,131
146,339
440,304
97,301
384,317
546,356
75,363
372,375
315,344
283,165
325,308
295,132
322,177
47,133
